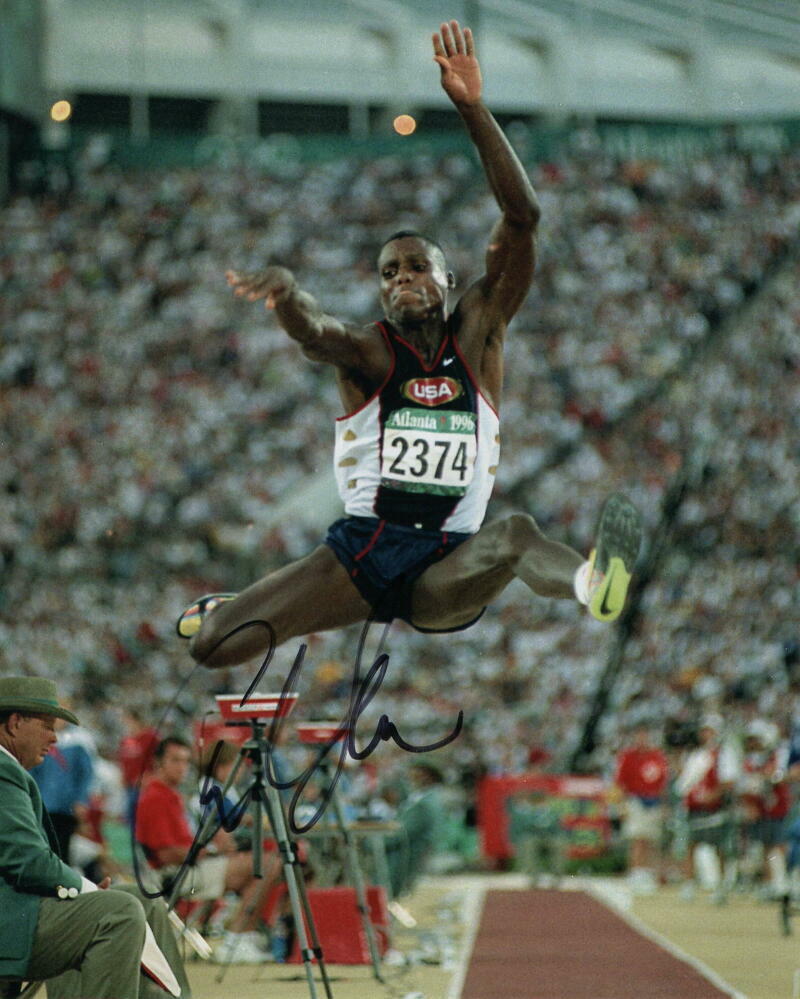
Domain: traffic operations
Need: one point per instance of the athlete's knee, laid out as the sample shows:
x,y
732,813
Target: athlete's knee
x,y
503,542
520,533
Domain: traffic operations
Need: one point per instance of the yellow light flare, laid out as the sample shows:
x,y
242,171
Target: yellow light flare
x,y
404,124
61,111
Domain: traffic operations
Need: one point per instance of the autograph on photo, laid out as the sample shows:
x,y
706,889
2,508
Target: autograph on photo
x,y
362,691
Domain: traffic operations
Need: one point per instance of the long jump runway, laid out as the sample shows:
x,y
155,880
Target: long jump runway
x,y
542,944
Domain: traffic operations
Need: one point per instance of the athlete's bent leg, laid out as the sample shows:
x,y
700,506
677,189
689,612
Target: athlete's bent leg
x,y
455,590
452,592
312,594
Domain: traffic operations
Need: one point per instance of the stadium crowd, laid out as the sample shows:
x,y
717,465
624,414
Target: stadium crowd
x,y
150,422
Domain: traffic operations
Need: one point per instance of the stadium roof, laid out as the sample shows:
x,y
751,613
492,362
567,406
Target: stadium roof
x,y
674,59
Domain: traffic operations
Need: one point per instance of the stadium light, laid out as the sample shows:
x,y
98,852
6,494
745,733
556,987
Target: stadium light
x,y
61,111
404,124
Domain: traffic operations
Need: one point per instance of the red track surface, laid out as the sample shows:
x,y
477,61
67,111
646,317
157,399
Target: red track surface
x,y
566,945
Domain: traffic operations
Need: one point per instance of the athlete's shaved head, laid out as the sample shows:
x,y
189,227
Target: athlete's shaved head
x,y
413,234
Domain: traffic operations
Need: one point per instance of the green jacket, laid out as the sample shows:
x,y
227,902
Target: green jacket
x,y
421,816
30,870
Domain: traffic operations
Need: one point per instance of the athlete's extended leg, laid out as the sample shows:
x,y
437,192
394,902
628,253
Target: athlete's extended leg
x,y
312,594
454,591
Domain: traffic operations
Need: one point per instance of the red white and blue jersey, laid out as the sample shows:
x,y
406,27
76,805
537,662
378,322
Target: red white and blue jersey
x,y
423,450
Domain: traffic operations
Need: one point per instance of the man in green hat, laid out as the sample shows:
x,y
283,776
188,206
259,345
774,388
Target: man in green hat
x,y
51,919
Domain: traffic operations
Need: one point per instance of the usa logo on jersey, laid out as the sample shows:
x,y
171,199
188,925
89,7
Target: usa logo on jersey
x,y
432,391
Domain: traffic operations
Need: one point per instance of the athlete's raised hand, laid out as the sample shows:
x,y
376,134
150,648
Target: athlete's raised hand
x,y
272,284
454,50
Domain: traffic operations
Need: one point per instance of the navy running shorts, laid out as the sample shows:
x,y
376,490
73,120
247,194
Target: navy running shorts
x,y
384,560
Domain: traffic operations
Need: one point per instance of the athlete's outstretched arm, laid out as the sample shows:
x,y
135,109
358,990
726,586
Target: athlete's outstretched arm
x,y
322,337
511,255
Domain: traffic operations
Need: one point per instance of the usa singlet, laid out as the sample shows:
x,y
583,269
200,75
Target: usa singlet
x,y
423,450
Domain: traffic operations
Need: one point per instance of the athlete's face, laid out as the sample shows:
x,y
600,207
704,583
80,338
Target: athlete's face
x,y
414,282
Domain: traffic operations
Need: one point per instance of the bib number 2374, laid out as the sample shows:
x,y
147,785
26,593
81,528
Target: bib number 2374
x,y
429,453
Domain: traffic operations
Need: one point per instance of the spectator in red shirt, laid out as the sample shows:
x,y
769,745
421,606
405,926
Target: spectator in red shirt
x,y
641,778
165,831
136,755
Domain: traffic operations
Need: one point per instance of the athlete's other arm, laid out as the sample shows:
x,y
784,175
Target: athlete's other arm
x,y
322,337
510,258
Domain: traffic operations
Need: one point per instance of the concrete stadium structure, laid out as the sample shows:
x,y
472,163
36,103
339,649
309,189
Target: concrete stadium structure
x,y
657,59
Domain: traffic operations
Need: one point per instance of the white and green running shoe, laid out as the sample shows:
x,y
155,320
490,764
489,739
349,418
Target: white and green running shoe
x,y
619,536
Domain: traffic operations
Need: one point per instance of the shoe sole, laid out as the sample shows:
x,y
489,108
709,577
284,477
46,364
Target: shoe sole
x,y
190,622
619,537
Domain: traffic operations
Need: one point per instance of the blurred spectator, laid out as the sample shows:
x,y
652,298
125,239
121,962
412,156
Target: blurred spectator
x,y
765,801
706,781
642,776
420,815
65,779
164,830
216,766
136,756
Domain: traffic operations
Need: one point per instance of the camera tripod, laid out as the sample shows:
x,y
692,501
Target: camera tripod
x,y
320,733
263,798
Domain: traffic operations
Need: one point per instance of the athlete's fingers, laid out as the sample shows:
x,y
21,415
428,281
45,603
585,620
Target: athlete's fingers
x,y
244,286
447,39
458,38
254,283
257,285
239,281
469,42
236,281
438,50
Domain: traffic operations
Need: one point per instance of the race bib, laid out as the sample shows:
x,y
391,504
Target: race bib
x,y
429,452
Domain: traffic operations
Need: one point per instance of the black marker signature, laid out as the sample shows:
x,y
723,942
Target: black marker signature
x,y
362,692
212,799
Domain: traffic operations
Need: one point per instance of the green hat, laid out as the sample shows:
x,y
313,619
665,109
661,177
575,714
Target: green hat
x,y
33,694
